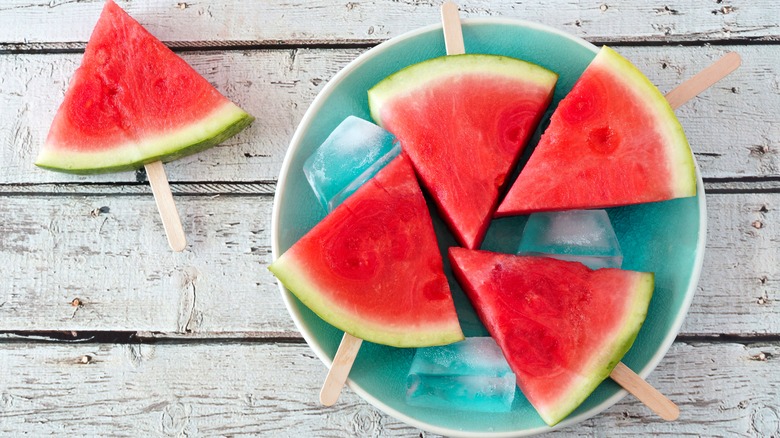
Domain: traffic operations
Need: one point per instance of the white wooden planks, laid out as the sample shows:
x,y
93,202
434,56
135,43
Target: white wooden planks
x,y
56,244
338,22
230,389
731,127
54,249
741,234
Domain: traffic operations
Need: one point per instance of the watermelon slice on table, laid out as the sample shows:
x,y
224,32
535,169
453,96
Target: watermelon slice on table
x,y
464,120
613,140
372,267
562,326
132,102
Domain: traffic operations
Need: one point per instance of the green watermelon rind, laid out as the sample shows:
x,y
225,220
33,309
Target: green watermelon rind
x,y
416,76
293,276
680,157
595,372
197,136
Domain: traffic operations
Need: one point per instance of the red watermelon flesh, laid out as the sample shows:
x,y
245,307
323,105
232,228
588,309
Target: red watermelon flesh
x,y
562,326
372,266
133,101
613,140
464,120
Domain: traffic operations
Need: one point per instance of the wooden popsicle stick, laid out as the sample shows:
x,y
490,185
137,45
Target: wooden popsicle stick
x,y
339,369
155,173
453,34
703,80
644,392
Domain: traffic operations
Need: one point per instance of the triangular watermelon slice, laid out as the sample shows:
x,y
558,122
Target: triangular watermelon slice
x,y
613,140
133,101
561,326
464,120
372,267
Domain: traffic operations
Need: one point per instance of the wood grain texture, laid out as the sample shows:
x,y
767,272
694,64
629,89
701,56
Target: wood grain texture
x,y
732,127
83,258
110,252
233,389
56,248
230,22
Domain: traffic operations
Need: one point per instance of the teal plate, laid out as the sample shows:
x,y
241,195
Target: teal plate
x,y
666,238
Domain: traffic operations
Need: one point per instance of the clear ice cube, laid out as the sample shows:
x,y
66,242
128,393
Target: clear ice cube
x,y
584,236
467,375
351,155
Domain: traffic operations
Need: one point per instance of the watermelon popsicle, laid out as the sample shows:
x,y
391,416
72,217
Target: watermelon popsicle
x,y
362,251
350,345
561,325
134,103
352,154
464,120
615,135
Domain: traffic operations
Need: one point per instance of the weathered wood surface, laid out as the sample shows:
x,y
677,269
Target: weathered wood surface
x,y
270,22
116,261
230,389
56,248
225,358
733,128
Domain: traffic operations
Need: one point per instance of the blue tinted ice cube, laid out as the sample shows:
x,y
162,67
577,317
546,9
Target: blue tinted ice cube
x,y
467,375
585,236
351,155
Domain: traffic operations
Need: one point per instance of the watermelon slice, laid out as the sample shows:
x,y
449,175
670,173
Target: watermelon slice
x,y
561,326
133,101
372,267
464,120
613,140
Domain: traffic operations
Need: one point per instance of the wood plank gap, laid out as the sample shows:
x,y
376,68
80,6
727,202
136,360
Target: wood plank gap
x,y
723,338
130,337
194,46
248,188
741,190
742,179
227,46
738,41
66,337
742,185
291,337
738,185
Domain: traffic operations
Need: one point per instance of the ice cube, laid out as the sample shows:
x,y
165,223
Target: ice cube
x,y
585,236
467,375
351,155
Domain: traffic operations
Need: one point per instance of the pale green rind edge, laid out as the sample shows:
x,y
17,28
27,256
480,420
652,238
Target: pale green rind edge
x,y
199,135
680,156
294,277
596,372
416,76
